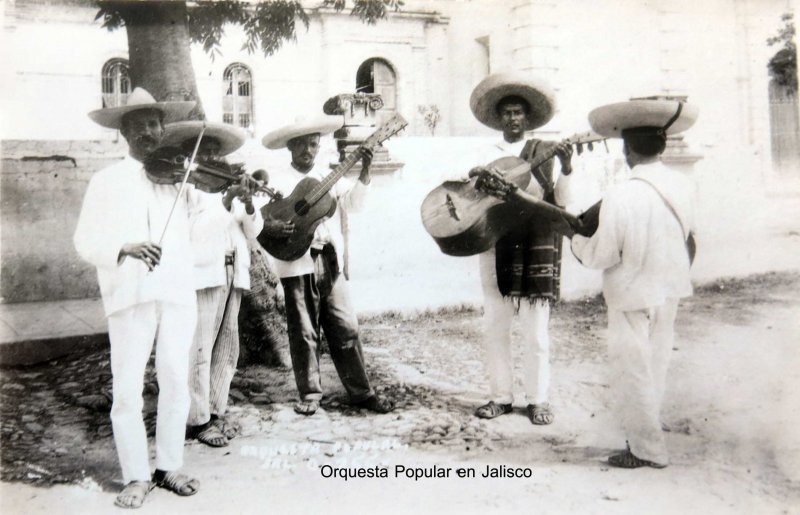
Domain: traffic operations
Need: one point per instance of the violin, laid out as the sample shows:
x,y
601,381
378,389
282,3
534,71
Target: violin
x,y
168,165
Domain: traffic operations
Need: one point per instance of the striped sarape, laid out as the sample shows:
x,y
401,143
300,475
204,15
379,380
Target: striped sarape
x,y
528,259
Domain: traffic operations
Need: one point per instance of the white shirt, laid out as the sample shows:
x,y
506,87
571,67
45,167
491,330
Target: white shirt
x,y
123,206
639,243
215,232
349,195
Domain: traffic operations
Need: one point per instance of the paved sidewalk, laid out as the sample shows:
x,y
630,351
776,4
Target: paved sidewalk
x,y
31,332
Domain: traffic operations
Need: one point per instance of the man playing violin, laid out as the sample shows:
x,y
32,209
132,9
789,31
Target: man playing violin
x,y
148,291
521,273
316,295
219,235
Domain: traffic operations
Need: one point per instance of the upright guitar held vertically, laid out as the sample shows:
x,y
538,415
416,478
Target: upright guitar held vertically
x,y
310,202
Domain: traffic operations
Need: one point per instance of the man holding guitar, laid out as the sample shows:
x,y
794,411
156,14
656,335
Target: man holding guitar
x,y
316,296
521,273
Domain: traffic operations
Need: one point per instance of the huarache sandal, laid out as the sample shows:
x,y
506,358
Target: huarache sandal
x,y
376,404
627,460
308,407
176,482
229,429
212,436
541,414
134,494
492,410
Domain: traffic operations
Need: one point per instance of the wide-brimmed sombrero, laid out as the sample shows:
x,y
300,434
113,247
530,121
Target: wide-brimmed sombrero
x,y
494,88
670,116
139,98
230,138
321,125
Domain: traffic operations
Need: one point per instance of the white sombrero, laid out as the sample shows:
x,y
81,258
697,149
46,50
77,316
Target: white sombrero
x,y
322,124
494,88
111,117
230,138
670,116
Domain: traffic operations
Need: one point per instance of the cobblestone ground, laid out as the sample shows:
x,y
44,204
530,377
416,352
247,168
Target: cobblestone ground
x,y
55,416
56,427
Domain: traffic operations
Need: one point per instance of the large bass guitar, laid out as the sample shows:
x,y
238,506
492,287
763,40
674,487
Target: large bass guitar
x,y
310,201
465,220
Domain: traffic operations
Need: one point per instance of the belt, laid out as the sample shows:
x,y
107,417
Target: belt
x,y
229,257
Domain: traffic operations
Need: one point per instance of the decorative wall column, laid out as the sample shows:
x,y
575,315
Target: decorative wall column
x,y
360,120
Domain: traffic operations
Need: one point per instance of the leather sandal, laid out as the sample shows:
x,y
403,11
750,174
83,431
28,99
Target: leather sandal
x,y
376,403
540,414
493,410
627,460
229,428
307,407
175,482
134,494
212,436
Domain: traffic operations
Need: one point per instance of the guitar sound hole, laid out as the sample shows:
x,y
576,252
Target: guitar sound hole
x,y
301,208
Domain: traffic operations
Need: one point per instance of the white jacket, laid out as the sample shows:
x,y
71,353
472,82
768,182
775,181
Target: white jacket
x,y
639,243
122,206
349,195
216,231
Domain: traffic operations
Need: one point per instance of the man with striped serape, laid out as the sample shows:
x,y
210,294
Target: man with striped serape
x,y
520,275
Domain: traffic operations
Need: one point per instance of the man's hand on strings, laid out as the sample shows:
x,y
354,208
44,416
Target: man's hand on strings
x,y
564,153
278,228
366,161
243,190
147,252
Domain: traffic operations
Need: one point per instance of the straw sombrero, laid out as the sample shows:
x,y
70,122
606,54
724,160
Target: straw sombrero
x,y
302,126
669,116
229,137
491,90
111,117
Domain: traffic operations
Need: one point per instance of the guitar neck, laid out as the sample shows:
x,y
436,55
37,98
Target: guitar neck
x,y
572,140
327,183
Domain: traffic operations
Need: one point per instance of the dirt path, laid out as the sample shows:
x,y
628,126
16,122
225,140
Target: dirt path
x,y
731,406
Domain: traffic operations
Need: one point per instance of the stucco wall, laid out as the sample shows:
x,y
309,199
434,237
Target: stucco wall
x,y
41,190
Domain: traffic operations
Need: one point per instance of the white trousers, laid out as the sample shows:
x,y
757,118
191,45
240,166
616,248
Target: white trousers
x,y
534,319
215,350
639,349
132,332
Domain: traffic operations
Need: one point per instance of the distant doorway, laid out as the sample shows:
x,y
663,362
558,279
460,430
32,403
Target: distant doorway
x,y
377,76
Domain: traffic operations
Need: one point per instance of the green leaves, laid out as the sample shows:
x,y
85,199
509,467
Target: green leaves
x,y
267,24
370,11
272,23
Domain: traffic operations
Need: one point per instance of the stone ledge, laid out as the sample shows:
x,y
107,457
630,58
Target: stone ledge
x,y
30,352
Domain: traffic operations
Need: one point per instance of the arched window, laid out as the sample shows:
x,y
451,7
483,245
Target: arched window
x,y
116,83
237,100
377,76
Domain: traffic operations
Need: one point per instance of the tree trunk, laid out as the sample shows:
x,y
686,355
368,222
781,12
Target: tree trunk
x,y
160,62
159,52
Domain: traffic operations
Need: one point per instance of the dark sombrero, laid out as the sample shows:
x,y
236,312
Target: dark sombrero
x,y
534,90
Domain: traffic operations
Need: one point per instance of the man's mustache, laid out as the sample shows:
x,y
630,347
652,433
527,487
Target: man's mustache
x,y
147,139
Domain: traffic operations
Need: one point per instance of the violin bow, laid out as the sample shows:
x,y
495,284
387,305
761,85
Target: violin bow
x,y
183,183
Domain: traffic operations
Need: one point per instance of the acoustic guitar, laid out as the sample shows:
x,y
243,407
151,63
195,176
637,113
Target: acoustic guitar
x,y
310,202
464,220
585,224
